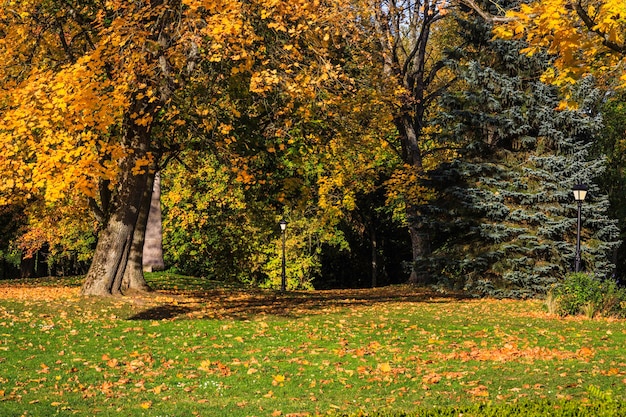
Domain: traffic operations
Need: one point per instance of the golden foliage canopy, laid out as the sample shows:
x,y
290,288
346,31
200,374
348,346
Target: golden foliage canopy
x,y
75,74
585,37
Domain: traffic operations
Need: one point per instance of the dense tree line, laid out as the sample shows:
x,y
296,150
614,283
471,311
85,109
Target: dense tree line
x,y
399,139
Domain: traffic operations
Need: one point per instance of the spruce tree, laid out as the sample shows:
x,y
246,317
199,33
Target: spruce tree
x,y
504,222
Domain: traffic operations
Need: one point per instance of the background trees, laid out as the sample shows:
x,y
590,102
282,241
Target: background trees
x,y
504,210
353,120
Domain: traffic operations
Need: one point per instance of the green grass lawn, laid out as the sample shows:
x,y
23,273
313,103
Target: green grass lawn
x,y
197,348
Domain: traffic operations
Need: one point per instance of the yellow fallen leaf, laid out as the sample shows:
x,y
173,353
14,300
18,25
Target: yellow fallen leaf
x,y
146,404
205,365
278,380
384,367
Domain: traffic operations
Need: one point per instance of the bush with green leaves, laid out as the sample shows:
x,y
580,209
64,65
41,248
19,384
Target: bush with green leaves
x,y
588,294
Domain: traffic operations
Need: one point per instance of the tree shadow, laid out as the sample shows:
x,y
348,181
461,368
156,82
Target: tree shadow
x,y
162,312
237,304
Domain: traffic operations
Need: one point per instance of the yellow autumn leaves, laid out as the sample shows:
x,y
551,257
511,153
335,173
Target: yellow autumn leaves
x,y
66,97
585,37
53,137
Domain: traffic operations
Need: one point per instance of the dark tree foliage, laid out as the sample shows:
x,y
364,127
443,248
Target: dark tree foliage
x,y
12,219
376,252
504,222
613,144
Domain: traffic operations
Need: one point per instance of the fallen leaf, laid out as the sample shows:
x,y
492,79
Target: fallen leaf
x,y
278,380
384,367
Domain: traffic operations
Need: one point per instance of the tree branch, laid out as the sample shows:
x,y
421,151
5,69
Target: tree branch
x,y
591,26
485,15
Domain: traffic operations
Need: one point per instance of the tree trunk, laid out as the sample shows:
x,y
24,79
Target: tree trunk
x,y
112,252
153,246
134,280
420,244
27,267
374,244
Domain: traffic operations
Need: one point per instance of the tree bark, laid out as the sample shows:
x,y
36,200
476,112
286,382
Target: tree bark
x,y
153,246
115,241
134,280
420,243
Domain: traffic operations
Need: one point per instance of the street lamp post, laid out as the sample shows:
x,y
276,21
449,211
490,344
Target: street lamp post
x,y
580,192
283,280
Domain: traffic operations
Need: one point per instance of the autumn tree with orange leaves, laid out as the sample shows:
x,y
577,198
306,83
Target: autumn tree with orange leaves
x,y
96,95
584,37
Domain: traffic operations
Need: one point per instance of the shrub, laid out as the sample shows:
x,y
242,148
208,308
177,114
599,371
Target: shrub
x,y
582,293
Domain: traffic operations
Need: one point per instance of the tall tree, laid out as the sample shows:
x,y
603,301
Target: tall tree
x,y
612,143
94,93
406,31
506,217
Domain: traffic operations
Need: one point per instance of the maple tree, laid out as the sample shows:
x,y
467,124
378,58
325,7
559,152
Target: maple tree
x,y
94,94
585,37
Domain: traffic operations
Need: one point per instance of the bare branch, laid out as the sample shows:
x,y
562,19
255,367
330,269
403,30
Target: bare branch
x,y
485,15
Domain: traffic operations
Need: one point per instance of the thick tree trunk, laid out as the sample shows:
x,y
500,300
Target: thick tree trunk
x,y
112,252
153,246
134,280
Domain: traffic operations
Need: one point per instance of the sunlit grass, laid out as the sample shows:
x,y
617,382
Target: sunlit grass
x,y
195,346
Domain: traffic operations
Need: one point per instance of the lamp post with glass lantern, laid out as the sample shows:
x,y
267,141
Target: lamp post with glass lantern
x,y
580,192
283,280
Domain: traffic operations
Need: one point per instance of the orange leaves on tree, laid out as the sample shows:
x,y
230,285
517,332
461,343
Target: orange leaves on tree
x,y
584,38
53,124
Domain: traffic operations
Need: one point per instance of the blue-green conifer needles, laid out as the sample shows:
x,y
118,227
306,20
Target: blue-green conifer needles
x,y
504,221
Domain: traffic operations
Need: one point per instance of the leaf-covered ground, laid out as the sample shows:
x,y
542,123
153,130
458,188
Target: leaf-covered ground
x,y
219,351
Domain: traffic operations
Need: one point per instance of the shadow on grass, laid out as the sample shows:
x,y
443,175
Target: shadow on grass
x,y
238,304
162,312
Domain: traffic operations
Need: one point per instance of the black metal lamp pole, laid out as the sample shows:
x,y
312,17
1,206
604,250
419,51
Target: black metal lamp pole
x,y
580,192
283,280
